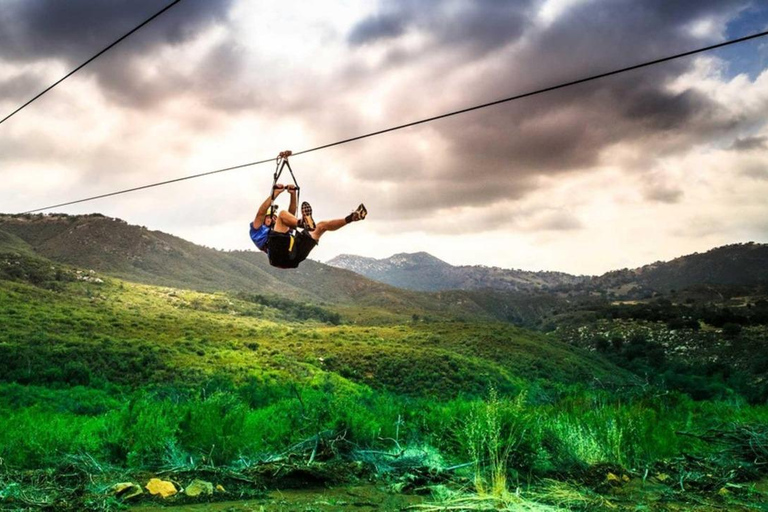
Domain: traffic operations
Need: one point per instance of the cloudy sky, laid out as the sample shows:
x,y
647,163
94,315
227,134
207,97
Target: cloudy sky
x,y
644,166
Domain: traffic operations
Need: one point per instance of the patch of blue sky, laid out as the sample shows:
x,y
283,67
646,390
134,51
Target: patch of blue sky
x,y
751,57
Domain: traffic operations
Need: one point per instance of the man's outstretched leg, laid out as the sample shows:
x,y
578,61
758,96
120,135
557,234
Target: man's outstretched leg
x,y
286,221
333,225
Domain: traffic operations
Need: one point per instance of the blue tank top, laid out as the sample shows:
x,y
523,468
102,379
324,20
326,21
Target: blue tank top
x,y
260,236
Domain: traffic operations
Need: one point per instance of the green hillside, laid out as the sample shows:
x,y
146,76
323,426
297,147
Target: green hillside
x,y
737,264
134,334
136,254
12,243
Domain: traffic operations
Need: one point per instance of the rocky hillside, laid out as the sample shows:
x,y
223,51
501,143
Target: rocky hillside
x,y
422,271
731,265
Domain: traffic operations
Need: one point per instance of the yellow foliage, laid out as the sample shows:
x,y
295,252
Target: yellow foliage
x,y
161,487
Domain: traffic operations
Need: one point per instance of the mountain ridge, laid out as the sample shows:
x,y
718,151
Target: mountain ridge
x,y
137,254
733,264
423,272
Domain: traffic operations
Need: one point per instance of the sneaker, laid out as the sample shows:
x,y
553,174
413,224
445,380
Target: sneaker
x,y
306,221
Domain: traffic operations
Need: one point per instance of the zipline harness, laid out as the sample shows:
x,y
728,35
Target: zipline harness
x,y
289,251
281,162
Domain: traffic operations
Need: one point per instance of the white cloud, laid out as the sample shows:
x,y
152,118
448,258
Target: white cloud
x,y
550,10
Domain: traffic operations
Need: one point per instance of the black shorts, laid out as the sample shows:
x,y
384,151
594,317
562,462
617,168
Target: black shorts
x,y
287,251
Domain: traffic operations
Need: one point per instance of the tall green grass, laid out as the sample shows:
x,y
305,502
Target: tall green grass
x,y
494,429
505,436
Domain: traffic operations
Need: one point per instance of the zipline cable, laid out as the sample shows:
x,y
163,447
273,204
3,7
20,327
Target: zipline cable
x,y
78,68
427,120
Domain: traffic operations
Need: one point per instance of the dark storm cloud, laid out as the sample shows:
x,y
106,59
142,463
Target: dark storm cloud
x,y
482,25
381,26
750,143
75,30
415,197
661,110
563,131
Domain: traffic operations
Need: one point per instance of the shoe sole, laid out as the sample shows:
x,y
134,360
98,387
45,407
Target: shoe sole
x,y
362,211
306,217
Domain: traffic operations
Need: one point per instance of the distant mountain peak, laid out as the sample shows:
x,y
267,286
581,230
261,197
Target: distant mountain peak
x,y
399,260
410,256
423,272
416,258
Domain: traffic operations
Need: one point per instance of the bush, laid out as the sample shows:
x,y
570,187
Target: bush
x,y
140,434
214,428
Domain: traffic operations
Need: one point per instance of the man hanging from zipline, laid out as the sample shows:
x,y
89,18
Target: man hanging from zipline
x,y
286,239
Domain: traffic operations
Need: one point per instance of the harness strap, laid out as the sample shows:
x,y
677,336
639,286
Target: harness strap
x,y
281,162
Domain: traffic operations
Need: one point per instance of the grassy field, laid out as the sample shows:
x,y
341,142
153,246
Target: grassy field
x,y
107,380
100,329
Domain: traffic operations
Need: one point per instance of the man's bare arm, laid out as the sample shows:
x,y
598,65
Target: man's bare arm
x,y
292,190
262,213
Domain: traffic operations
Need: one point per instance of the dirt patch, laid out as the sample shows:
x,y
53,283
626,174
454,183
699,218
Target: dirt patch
x,y
364,498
